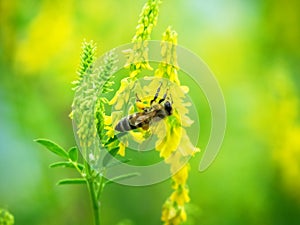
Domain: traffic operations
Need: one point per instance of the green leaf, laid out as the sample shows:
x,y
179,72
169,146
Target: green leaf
x,y
73,154
121,177
61,164
72,181
53,147
109,155
66,165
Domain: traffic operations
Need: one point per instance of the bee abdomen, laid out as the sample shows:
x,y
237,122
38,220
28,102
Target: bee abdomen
x,y
124,125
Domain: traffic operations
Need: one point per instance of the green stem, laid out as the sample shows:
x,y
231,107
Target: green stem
x,y
91,180
101,185
95,203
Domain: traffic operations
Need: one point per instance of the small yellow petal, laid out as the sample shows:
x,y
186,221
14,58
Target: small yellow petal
x,y
122,147
147,66
180,177
183,214
185,89
180,196
134,73
110,132
138,136
107,120
123,86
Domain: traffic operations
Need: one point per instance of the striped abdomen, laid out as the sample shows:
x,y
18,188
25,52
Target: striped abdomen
x,y
124,125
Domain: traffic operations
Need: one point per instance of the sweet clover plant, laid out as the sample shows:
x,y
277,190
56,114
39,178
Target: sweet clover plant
x,y
94,124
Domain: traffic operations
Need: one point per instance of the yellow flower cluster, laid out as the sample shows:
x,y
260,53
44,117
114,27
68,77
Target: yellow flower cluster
x,y
173,141
88,112
83,104
168,67
176,138
110,132
138,56
174,208
169,142
147,21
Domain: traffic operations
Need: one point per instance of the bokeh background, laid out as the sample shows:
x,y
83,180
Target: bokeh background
x,y
252,47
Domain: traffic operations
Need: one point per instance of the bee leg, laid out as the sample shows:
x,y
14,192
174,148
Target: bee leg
x,y
164,97
156,94
137,98
145,126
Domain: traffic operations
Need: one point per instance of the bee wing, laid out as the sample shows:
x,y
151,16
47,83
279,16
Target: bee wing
x,y
143,117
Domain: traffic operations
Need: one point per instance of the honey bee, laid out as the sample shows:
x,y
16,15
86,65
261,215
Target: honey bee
x,y
148,115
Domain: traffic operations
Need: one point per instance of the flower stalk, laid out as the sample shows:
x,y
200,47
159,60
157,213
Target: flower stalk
x,y
173,212
89,111
138,56
94,193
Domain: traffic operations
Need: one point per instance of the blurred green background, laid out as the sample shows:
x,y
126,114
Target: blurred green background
x,y
252,47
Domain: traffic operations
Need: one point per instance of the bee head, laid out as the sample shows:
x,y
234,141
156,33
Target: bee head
x,y
168,107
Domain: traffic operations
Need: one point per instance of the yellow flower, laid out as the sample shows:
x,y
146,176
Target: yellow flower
x,y
183,214
185,147
138,136
117,99
110,132
107,120
169,138
180,196
181,176
169,143
168,211
122,147
172,214
146,65
134,73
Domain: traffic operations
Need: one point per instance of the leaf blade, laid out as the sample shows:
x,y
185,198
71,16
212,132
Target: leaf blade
x,y
71,181
53,147
61,164
67,164
73,154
